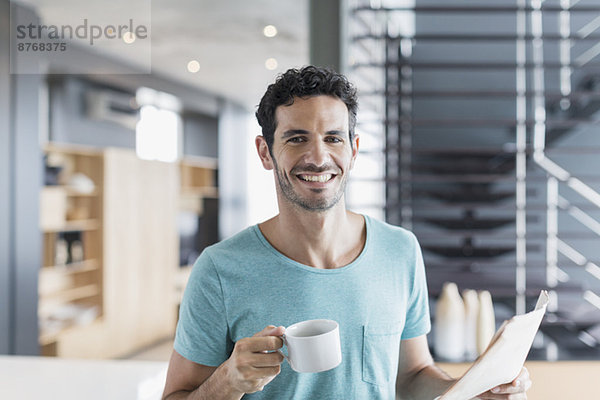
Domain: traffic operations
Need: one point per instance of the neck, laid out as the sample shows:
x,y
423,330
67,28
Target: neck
x,y
329,239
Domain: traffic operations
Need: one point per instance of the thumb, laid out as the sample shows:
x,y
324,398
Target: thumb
x,y
271,330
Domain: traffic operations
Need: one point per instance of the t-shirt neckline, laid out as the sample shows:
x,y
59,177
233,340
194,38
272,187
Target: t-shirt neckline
x,y
308,268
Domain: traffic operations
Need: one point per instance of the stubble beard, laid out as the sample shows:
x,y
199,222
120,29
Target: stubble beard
x,y
320,204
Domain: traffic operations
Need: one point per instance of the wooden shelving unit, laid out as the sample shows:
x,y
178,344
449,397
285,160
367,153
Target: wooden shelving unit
x,y
197,173
74,267
71,277
198,181
75,226
115,295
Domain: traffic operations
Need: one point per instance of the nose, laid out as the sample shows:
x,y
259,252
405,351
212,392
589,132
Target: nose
x,y
317,153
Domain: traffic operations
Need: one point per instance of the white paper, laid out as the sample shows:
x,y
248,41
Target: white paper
x,y
504,357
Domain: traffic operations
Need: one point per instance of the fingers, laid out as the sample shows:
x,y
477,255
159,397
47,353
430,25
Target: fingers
x,y
266,340
490,396
254,362
510,391
506,394
248,371
257,365
513,387
521,384
271,330
259,344
261,360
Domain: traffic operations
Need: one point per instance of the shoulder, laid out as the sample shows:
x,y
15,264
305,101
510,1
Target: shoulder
x,y
385,233
239,243
235,246
392,242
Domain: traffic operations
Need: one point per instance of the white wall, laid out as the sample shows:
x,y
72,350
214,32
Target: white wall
x,y
246,189
262,198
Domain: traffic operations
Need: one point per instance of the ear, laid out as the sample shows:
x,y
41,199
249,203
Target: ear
x,y
355,142
263,152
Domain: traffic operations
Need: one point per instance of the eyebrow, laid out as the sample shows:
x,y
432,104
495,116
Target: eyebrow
x,y
292,132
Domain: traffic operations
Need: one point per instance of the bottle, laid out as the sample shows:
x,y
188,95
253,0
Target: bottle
x,y
449,338
486,321
76,251
471,300
61,252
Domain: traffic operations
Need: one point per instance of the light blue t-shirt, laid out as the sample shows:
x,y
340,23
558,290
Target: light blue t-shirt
x,y
242,284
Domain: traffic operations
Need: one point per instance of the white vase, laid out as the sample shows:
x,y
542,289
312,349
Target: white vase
x,y
486,321
471,300
449,335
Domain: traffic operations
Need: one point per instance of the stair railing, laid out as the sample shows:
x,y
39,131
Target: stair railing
x,y
555,173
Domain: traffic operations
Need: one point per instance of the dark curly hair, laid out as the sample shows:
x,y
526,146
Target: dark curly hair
x,y
305,82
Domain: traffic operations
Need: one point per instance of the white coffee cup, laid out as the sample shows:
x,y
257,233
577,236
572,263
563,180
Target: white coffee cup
x,y
313,345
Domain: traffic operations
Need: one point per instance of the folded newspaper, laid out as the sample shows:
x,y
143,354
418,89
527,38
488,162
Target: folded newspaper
x,y
504,357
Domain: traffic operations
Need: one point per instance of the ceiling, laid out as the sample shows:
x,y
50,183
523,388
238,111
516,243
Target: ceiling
x,y
225,37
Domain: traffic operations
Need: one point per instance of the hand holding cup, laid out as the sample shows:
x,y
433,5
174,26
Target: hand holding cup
x,y
254,361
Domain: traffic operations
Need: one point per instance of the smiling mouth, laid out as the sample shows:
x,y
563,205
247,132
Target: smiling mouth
x,y
316,178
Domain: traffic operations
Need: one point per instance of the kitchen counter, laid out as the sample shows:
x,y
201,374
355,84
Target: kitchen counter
x,y
31,378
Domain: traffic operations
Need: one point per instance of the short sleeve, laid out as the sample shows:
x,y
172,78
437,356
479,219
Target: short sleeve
x,y
417,322
202,334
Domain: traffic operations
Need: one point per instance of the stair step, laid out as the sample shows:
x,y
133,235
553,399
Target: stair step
x,y
465,252
477,167
469,222
464,196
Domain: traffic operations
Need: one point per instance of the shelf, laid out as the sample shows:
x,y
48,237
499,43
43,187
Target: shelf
x,y
206,191
198,174
74,193
69,215
77,225
69,191
77,293
76,267
47,338
200,162
72,149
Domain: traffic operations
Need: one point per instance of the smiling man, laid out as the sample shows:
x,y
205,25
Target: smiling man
x,y
313,260
321,172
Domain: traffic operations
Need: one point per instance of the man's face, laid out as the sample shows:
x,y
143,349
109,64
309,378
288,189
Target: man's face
x,y
311,152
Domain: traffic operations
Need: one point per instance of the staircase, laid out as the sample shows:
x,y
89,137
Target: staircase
x,y
477,124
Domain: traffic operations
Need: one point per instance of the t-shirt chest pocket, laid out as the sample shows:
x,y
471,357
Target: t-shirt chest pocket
x,y
381,349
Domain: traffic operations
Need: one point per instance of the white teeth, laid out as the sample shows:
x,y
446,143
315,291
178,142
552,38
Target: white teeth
x,y
316,178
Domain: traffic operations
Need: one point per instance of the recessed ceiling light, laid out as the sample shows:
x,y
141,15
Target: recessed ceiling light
x,y
129,37
271,64
270,31
193,66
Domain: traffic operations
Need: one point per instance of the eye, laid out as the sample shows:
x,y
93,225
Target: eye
x,y
296,139
333,139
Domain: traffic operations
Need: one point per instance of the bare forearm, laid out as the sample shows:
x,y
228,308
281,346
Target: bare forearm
x,y
426,384
214,388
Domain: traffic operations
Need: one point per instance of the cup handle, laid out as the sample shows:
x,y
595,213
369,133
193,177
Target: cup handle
x,y
281,352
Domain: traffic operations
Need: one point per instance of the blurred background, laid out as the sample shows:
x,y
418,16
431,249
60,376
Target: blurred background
x,y
121,159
